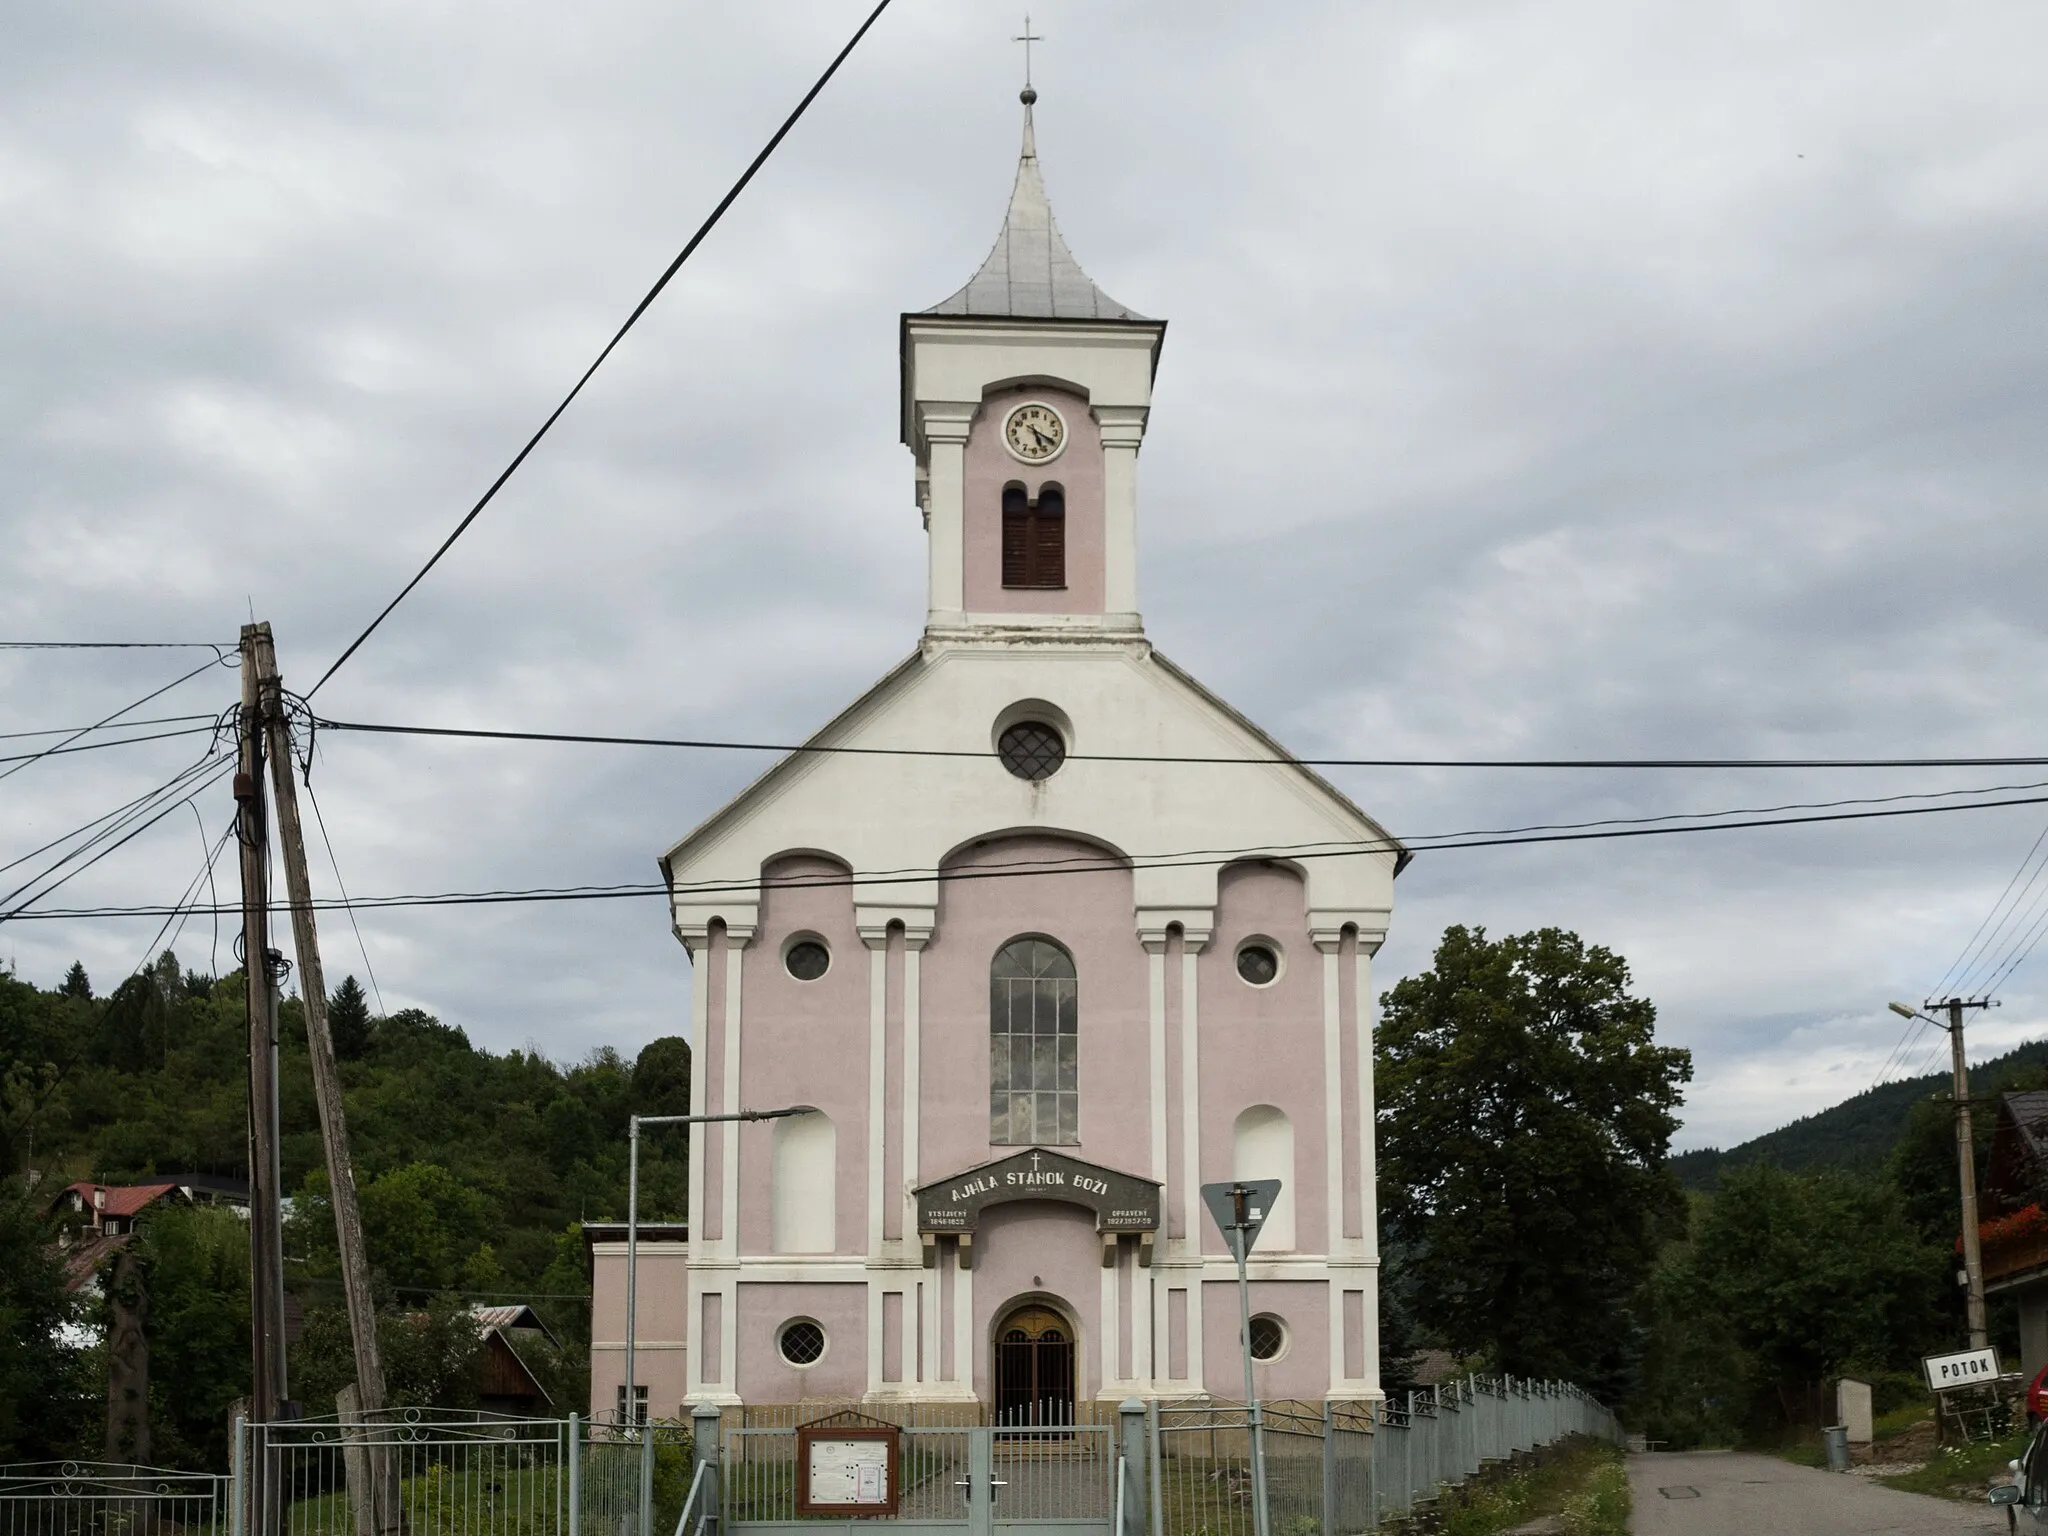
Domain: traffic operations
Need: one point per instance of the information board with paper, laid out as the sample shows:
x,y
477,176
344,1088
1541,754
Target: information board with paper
x,y
847,1470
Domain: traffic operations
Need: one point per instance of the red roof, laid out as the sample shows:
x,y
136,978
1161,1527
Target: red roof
x,y
122,1199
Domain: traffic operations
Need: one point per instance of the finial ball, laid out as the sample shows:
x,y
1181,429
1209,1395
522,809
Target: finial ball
x,y
1027,95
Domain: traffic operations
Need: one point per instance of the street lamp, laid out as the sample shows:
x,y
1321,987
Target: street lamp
x,y
633,1124
1966,1162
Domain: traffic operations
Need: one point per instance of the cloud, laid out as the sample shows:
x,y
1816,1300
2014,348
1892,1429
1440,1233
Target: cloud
x,y
1543,380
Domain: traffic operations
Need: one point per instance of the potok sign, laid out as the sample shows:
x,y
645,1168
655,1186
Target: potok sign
x,y
1971,1368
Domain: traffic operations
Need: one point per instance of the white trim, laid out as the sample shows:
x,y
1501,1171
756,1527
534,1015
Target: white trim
x,y
913,1084
700,1055
1112,1321
963,1322
1155,971
878,1059
729,1206
1333,1139
1190,1096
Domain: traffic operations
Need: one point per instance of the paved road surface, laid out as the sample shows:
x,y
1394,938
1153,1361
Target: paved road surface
x,y
1741,1495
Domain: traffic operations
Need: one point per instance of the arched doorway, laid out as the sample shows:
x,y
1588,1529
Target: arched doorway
x,y
1034,1367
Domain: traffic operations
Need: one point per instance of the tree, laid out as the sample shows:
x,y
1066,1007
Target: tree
x,y
45,1399
1812,1274
661,1077
348,1020
195,1265
76,985
1525,1119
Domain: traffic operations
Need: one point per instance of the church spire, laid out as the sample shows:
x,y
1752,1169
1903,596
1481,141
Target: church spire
x,y
1031,274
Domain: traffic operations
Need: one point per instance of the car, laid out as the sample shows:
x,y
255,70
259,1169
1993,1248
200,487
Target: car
x,y
2037,1397
2024,1495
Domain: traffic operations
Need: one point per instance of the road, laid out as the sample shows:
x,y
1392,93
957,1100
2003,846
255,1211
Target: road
x,y
1728,1493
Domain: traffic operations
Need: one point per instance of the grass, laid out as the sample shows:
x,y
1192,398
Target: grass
x,y
1587,1484
1962,1471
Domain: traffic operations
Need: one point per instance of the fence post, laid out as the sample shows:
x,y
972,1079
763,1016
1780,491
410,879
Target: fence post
x,y
573,1475
1329,1467
1155,1457
1137,1479
646,1524
704,1450
238,1476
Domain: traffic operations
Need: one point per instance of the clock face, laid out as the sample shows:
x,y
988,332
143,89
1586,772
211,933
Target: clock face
x,y
1034,432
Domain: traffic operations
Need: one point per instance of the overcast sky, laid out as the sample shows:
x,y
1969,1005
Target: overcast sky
x,y
1543,379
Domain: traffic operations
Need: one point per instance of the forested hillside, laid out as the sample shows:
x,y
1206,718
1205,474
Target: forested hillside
x,y
475,1169
1859,1133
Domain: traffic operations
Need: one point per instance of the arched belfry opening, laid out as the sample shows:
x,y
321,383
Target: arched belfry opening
x,y
1034,1375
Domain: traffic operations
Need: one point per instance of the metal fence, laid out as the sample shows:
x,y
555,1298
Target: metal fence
x,y
470,1475
91,1498
1157,1469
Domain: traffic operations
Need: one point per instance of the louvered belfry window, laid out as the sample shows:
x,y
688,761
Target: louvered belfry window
x,y
1034,538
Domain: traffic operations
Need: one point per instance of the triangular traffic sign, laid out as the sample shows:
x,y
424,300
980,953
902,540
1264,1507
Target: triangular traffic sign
x,y
1241,1204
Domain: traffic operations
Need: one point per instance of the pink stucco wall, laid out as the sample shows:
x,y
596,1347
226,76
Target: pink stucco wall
x,y
1088,912
1039,1250
1077,471
805,1042
1303,1370
1263,1045
663,1313
840,1309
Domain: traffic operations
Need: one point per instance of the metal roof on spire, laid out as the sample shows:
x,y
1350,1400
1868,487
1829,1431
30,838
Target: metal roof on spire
x,y
1031,274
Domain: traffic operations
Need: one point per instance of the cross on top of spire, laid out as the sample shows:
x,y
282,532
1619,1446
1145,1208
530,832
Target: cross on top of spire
x,y
1027,37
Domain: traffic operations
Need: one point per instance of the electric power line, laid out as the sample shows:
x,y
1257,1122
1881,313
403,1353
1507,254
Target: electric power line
x,y
115,645
639,309
1048,867
99,746
335,864
117,714
72,730
814,748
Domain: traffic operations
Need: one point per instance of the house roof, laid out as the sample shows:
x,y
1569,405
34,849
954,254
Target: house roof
x,y
2019,1150
518,1315
122,1199
1029,273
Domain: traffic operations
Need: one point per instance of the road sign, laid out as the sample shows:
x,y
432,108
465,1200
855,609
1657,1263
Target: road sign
x,y
1970,1368
1241,1203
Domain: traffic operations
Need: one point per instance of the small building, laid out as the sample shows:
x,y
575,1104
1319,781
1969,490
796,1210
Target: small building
x,y
505,1383
112,1209
2013,1232
1041,935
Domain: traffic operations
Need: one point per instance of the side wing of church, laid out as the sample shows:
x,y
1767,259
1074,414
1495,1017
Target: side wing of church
x,y
1034,993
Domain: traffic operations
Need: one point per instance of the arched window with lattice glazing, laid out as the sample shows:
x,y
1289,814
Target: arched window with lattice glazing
x,y
1034,1068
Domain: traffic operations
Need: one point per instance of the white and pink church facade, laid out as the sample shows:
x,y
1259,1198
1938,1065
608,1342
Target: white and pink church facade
x,y
1033,993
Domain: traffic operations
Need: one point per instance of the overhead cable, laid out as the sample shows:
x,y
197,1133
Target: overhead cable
x,y
1038,869
821,749
116,715
620,335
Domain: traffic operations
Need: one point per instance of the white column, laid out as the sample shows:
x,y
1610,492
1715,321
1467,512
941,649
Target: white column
x,y
699,947
945,424
1123,428
878,1014
1192,941
1368,1171
1112,1317
1329,943
1155,968
736,940
913,1085
963,1323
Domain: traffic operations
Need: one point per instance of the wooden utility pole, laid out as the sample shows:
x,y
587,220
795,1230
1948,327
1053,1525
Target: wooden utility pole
x,y
1966,1169
371,1399
266,1237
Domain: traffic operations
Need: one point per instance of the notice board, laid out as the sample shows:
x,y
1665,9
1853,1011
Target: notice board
x,y
846,1470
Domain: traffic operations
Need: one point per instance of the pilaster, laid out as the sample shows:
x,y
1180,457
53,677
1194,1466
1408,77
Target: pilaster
x,y
944,424
1123,429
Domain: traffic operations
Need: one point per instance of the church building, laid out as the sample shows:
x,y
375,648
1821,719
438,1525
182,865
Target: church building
x,y
1043,935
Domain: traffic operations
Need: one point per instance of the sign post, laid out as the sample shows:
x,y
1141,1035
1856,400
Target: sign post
x,y
1240,1209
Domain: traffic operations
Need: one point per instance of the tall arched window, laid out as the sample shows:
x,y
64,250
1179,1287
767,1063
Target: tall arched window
x,y
1264,1149
1033,1077
1034,537
803,1185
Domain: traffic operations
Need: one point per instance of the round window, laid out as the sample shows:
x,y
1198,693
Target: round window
x,y
1258,964
802,1342
807,960
1031,749
1269,1337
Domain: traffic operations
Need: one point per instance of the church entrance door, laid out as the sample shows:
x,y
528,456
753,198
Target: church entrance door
x,y
1035,1369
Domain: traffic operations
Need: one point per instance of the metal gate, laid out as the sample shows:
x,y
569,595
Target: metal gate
x,y
89,1498
954,1481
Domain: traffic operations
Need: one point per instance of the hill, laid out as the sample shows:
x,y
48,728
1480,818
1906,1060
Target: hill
x,y
1858,1134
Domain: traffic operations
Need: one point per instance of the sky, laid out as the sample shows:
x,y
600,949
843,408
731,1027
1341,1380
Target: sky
x,y
1543,380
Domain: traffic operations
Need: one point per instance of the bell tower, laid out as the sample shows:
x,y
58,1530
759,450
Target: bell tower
x,y
1025,397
